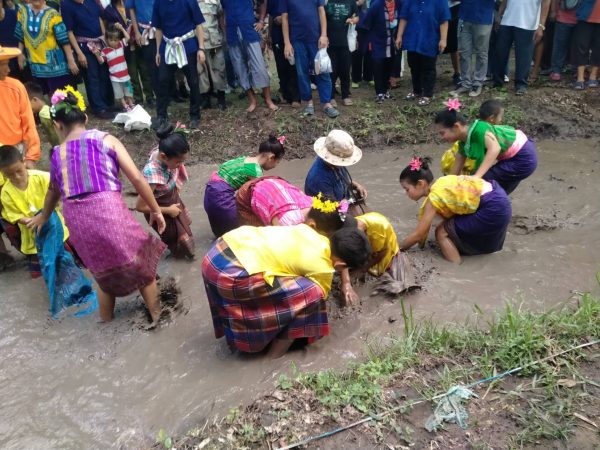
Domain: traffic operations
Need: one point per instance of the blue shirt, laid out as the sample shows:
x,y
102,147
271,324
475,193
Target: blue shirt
x,y
331,181
477,11
7,28
423,17
83,19
239,15
303,17
176,18
274,10
584,10
143,10
375,22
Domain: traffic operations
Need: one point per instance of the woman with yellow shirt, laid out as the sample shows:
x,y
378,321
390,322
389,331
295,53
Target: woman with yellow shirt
x,y
475,212
268,285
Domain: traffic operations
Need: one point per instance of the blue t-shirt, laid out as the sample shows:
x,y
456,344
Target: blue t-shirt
x,y
239,15
176,18
274,10
333,182
83,19
424,17
143,10
375,22
303,17
7,28
477,11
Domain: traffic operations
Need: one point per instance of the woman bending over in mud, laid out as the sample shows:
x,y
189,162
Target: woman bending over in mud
x,y
475,212
500,152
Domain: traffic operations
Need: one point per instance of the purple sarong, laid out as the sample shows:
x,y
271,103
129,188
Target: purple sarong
x,y
219,204
121,256
510,172
483,231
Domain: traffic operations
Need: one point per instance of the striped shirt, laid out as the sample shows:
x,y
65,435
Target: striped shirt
x,y
117,66
274,198
84,166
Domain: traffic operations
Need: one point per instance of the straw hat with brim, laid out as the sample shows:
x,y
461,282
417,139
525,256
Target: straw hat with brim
x,y
338,149
8,53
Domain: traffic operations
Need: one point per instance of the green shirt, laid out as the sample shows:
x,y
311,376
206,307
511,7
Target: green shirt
x,y
48,125
475,149
237,171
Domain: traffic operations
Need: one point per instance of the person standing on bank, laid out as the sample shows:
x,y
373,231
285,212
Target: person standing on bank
x,y
212,72
180,42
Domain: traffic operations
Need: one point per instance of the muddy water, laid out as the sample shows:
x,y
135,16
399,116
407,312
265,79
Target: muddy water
x,y
74,383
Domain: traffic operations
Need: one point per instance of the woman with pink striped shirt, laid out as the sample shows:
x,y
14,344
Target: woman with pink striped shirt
x,y
84,171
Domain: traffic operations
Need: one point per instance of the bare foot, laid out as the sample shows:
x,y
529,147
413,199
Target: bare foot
x,y
272,106
251,108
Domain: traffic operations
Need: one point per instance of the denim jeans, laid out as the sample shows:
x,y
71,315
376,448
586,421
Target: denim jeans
x,y
523,40
304,54
560,47
473,40
97,82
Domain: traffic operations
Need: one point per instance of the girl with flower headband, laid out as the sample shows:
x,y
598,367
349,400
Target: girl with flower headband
x,y
475,212
84,171
219,196
267,286
166,174
500,152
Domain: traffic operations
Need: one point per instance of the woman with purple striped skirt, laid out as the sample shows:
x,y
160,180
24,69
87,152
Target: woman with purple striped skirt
x,y
84,171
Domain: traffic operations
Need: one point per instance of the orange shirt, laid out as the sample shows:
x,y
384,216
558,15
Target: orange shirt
x,y
16,118
595,15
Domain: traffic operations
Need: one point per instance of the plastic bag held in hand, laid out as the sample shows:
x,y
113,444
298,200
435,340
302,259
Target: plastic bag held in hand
x,y
352,37
134,120
322,62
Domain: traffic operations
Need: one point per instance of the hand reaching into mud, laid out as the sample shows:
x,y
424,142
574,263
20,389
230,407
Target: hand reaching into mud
x,y
349,295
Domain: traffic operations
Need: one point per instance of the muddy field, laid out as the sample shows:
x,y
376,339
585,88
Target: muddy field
x,y
74,383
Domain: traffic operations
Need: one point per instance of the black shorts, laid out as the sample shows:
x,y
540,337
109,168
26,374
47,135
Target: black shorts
x,y
586,39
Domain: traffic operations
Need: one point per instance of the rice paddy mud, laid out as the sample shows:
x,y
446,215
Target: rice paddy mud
x,y
74,383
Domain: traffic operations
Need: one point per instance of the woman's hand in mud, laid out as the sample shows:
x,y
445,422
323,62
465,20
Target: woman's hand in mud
x,y
349,295
159,220
173,210
36,222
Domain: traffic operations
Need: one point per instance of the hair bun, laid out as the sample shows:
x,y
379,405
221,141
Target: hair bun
x,y
164,131
71,99
425,162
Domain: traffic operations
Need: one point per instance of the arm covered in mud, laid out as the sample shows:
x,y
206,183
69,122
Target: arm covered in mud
x,y
422,231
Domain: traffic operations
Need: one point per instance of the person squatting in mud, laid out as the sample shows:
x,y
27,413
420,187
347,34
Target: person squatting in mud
x,y
475,212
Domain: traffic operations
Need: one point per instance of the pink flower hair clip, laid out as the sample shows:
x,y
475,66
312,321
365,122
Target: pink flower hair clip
x,y
281,140
415,164
58,97
343,209
453,104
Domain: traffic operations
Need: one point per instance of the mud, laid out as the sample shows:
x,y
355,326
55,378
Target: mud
x,y
75,383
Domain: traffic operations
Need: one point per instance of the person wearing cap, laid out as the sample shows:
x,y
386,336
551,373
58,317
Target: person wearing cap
x,y
17,125
329,175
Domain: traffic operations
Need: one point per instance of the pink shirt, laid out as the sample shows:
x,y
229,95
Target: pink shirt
x,y
568,17
273,198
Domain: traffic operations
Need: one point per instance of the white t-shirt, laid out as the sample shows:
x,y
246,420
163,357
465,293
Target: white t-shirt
x,y
523,14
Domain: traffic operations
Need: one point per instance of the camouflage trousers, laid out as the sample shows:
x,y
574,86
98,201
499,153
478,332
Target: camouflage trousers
x,y
213,70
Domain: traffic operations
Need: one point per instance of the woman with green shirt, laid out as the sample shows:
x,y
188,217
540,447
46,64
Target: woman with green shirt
x,y
219,197
501,153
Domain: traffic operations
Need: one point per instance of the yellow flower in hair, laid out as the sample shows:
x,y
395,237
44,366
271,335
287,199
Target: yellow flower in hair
x,y
326,206
77,94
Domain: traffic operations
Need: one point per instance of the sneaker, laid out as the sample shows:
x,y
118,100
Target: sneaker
x,y
388,95
380,99
331,112
309,110
459,91
506,79
159,122
592,84
347,102
313,86
456,79
579,85
521,91
355,85
555,76
475,91
194,124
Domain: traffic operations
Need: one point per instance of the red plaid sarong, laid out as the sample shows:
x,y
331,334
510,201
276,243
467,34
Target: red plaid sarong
x,y
250,313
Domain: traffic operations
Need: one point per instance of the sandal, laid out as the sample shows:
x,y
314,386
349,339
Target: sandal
x,y
424,101
411,96
579,86
592,84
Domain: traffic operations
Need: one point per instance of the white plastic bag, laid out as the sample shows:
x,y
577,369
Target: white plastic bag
x,y
322,62
352,36
134,120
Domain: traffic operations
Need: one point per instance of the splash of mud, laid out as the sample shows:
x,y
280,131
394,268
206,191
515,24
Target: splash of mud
x,y
542,222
